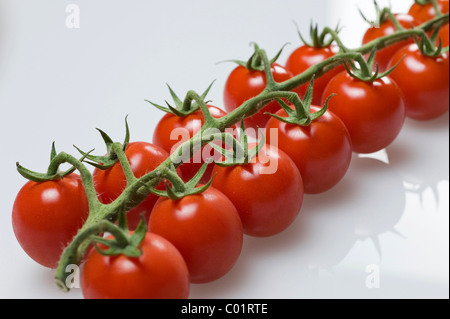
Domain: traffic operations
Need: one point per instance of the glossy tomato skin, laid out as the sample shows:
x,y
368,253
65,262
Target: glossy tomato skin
x,y
384,56
159,273
373,112
424,82
425,13
47,215
303,58
243,84
267,202
205,228
322,151
143,158
172,130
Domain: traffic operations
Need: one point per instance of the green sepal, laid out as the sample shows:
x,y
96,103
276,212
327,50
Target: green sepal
x,y
182,108
43,177
179,189
382,15
427,44
241,153
318,40
104,162
123,243
301,113
364,72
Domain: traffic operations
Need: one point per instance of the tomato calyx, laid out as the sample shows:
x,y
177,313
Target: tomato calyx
x,y
382,15
319,40
182,108
427,45
107,161
240,153
256,61
300,114
179,188
123,242
435,4
364,70
53,172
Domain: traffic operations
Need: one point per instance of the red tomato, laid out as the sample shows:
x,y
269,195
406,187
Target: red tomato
x,y
305,57
172,130
243,84
373,112
443,36
322,151
267,193
387,28
205,228
159,273
143,158
425,13
424,82
47,215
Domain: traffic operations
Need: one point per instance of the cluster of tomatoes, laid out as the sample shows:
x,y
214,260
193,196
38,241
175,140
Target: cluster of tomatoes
x,y
198,238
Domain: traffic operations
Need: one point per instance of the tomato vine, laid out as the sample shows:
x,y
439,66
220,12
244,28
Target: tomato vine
x,y
137,189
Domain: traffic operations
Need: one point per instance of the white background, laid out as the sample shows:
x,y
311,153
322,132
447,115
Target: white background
x,y
58,84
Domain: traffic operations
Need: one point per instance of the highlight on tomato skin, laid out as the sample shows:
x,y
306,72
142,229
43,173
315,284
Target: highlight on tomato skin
x,y
159,273
267,192
46,216
205,228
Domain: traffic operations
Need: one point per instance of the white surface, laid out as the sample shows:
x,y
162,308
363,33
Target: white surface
x,y
59,84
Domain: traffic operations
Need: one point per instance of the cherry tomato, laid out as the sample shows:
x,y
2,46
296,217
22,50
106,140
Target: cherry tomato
x,y
267,193
173,130
305,57
205,228
373,112
47,215
383,56
143,158
322,151
424,82
243,84
425,13
159,273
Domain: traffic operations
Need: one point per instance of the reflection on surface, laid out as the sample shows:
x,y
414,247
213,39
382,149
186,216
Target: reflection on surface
x,y
374,206
421,156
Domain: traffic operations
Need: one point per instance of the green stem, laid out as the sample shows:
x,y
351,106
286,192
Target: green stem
x,y
117,148
75,252
85,174
395,21
336,38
